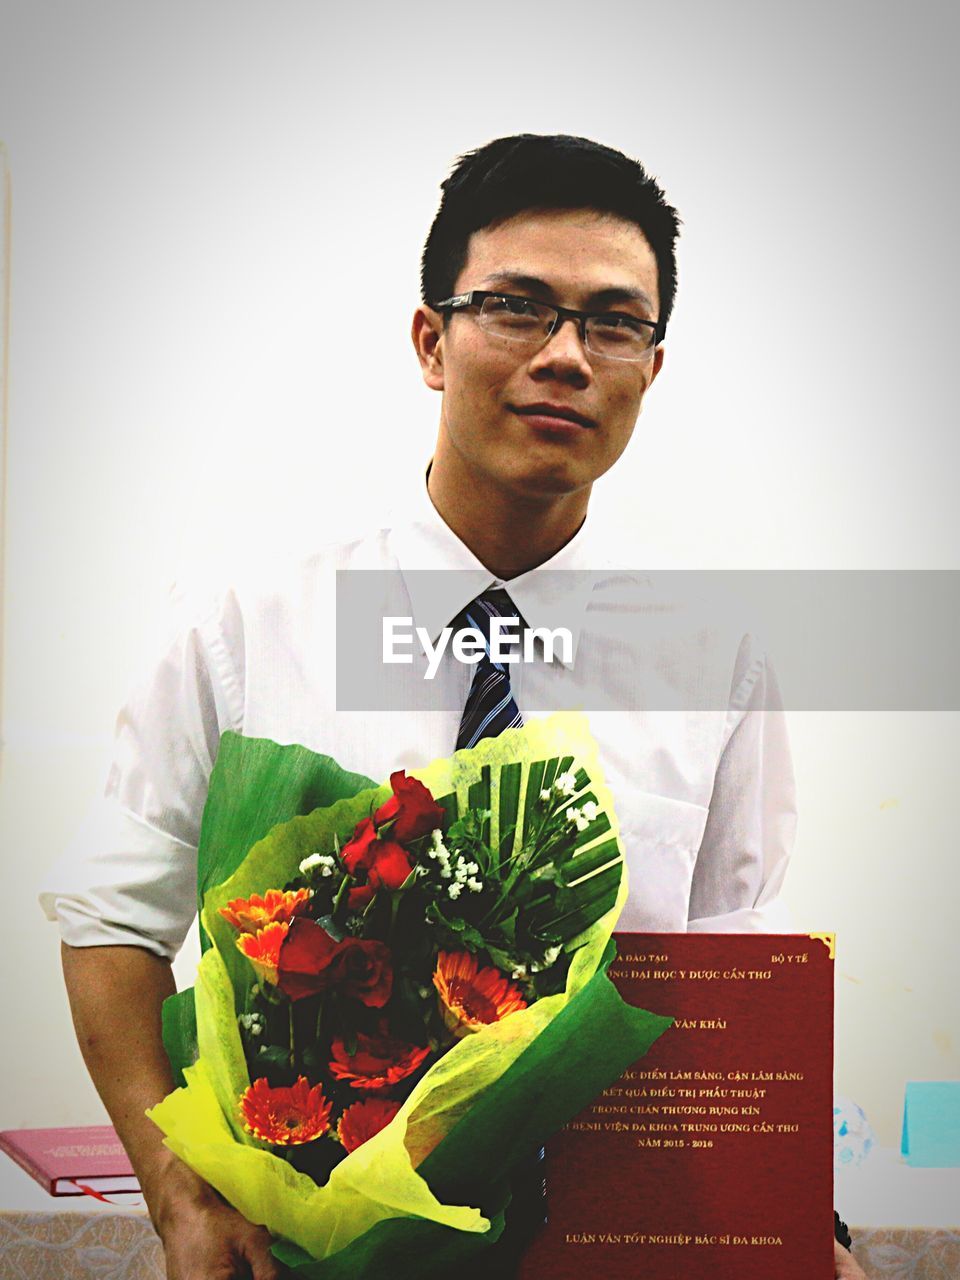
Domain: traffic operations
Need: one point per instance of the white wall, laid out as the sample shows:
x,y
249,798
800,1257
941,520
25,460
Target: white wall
x,y
197,192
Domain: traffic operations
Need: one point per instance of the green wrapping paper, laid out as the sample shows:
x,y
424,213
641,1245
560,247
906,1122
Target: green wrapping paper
x,y
428,1190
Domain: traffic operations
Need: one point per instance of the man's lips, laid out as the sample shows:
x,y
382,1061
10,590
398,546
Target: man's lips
x,y
554,416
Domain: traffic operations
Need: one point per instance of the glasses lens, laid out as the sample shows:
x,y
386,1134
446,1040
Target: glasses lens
x,y
620,337
519,319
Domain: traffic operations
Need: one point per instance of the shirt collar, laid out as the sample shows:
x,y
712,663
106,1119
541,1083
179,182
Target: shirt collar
x,y
442,575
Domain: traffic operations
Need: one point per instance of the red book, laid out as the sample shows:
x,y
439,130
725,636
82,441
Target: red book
x,y
72,1162
712,1157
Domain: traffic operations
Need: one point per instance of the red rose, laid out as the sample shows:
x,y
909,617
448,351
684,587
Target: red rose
x,y
379,1062
390,867
311,962
360,897
305,958
363,971
356,854
413,808
385,862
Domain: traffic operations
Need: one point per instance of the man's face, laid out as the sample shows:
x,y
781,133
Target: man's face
x,y
491,385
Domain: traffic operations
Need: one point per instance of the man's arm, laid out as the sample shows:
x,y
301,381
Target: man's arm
x,y
116,995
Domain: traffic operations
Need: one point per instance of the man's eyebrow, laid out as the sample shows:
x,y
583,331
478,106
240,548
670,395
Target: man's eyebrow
x,y
515,280
599,298
608,297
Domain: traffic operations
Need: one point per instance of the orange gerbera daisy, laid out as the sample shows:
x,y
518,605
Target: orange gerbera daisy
x,y
285,1116
276,906
362,1120
262,949
470,997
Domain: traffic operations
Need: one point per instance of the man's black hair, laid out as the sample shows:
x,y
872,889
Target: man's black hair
x,y
545,171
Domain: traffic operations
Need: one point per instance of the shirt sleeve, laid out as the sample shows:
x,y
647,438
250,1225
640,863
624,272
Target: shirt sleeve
x,y
129,875
751,821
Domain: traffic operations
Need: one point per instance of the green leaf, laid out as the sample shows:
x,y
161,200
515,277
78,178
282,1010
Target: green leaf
x,y
451,807
463,934
501,959
508,926
313,1059
598,827
592,898
478,797
332,927
551,771
534,787
589,861
272,1055
510,778
468,829
180,1033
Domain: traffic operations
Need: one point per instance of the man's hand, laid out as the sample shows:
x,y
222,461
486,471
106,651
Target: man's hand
x,y
845,1265
203,1238
116,995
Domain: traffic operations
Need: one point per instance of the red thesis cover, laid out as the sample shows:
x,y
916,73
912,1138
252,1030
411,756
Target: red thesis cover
x,y
712,1157
63,1159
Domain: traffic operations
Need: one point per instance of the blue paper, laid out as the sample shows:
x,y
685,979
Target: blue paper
x,y
931,1124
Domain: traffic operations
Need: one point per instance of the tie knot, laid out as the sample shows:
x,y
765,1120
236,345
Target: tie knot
x,y
494,603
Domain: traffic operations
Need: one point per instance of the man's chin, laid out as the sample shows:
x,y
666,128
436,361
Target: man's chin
x,y
545,482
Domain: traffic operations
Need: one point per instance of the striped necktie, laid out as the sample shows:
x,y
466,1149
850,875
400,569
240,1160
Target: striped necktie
x,y
490,707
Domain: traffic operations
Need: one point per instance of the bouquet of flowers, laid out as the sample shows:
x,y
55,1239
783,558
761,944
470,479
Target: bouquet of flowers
x,y
403,992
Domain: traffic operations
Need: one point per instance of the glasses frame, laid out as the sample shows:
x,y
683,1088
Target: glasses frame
x,y
477,297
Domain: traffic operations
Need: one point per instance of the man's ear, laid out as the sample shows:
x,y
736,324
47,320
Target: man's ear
x,y
654,370
427,334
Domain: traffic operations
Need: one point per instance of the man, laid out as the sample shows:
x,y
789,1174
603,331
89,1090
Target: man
x,y
548,281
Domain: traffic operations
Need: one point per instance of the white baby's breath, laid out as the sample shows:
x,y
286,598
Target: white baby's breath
x,y
326,862
578,819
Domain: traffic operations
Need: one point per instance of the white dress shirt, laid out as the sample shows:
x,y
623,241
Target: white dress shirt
x,y
705,797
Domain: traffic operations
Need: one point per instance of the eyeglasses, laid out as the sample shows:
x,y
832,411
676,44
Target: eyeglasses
x,y
612,334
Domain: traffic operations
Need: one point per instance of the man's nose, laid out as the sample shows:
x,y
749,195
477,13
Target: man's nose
x,y
564,350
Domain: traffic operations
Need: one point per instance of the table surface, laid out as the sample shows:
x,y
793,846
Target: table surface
x,y
44,1237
